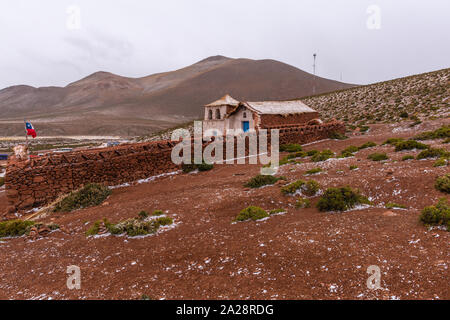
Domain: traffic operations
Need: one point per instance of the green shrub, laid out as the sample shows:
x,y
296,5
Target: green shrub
x,y
340,199
353,167
409,145
404,114
310,188
432,153
446,141
261,180
350,149
251,213
437,215
337,136
441,133
311,153
302,203
200,167
188,167
440,162
393,141
322,156
291,147
275,211
363,128
2,181
88,196
443,183
94,229
313,171
408,157
392,205
164,221
157,213
292,187
299,154
366,145
143,214
15,228
205,167
377,156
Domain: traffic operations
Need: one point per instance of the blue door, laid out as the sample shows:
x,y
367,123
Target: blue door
x,y
245,126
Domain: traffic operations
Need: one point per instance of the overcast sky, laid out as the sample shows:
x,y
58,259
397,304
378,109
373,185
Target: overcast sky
x,y
55,42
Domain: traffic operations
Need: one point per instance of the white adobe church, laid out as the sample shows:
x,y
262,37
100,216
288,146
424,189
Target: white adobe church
x,y
228,113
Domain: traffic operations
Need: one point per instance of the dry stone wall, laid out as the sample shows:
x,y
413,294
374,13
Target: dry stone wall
x,y
39,181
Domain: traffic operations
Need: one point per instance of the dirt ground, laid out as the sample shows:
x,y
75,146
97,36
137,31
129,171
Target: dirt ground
x,y
302,254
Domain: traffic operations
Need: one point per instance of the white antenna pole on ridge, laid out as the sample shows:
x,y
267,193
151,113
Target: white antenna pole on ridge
x,y
314,72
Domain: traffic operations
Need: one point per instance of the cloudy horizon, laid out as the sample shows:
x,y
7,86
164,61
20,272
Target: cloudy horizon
x,y
50,43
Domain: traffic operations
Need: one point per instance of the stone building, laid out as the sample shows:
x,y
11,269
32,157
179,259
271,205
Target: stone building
x,y
228,113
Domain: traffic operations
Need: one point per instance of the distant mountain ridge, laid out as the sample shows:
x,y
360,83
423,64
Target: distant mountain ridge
x,y
107,104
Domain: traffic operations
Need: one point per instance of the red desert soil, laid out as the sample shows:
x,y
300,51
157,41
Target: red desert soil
x,y
303,254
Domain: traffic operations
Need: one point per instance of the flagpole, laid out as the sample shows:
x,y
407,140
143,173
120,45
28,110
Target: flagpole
x,y
26,132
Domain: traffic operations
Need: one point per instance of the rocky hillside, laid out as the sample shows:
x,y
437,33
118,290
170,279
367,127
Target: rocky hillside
x,y
419,97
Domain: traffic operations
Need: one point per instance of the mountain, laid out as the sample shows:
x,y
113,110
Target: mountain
x,y
108,104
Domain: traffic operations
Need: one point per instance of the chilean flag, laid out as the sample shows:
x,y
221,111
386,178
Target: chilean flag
x,y
30,129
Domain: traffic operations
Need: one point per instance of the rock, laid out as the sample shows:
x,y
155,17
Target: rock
x,y
389,214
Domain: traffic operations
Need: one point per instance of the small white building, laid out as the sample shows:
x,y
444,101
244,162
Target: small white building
x,y
228,113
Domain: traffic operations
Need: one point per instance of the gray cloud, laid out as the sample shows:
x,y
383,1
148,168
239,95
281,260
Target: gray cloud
x,y
136,38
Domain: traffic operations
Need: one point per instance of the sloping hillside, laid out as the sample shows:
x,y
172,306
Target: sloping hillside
x,y
423,96
108,104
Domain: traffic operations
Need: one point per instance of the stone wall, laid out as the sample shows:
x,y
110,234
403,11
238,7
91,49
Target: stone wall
x,y
40,180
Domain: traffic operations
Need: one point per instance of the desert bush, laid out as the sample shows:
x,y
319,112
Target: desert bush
x,y
15,228
350,149
446,141
408,157
290,147
440,162
94,229
443,183
200,167
337,136
322,156
432,153
393,141
292,187
341,199
163,221
251,213
409,145
404,114
442,132
366,145
299,154
311,153
143,214
88,196
261,180
2,181
302,203
157,213
275,211
377,156
363,128
310,188
392,205
353,167
205,166
437,215
313,171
